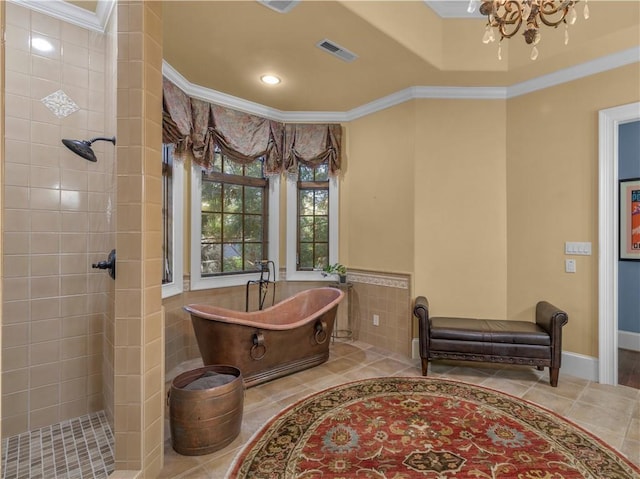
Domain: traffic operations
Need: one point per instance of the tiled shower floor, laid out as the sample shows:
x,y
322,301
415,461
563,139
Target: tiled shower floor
x,y
79,448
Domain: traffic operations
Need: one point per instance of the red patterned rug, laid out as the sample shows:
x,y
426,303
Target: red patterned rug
x,y
399,428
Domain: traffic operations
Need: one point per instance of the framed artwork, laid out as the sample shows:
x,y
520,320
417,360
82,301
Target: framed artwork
x,y
630,219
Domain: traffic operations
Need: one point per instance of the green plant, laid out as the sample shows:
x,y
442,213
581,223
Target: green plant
x,y
336,268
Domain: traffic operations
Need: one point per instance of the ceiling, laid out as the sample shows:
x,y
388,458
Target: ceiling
x,y
227,45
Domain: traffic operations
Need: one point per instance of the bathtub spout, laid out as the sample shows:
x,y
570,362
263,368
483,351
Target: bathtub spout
x,y
263,283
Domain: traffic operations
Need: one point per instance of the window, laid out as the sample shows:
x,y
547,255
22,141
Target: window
x,y
312,222
234,222
172,202
313,218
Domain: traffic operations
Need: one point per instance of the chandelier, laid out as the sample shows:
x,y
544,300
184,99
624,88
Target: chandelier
x,y
507,16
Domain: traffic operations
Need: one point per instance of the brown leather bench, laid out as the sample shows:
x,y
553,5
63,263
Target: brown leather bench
x,y
499,341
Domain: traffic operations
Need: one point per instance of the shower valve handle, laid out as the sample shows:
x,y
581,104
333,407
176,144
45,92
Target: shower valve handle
x,y
109,264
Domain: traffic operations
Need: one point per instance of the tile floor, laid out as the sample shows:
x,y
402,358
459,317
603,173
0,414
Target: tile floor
x,y
80,448
611,413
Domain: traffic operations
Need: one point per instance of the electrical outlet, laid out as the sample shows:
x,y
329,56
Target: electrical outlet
x,y
376,320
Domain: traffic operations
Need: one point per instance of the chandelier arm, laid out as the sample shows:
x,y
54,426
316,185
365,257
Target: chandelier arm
x,y
508,20
549,8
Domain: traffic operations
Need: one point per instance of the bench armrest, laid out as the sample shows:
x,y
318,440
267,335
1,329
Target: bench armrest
x,y
421,311
421,308
550,318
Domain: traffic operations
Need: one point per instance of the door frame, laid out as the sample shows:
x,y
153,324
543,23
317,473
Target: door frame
x,y
608,241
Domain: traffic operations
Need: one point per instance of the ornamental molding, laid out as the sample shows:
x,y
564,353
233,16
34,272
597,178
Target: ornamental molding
x,y
379,280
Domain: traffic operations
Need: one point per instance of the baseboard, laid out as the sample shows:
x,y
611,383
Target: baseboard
x,y
573,364
629,340
415,348
580,366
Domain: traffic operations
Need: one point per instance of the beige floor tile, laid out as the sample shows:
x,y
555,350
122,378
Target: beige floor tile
x,y
609,413
602,417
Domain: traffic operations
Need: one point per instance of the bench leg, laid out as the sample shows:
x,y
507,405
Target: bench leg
x,y
553,376
425,366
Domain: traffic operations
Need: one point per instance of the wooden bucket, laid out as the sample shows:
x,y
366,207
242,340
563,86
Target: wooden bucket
x,y
206,420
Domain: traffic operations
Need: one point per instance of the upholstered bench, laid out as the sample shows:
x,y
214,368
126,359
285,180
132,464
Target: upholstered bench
x,y
500,341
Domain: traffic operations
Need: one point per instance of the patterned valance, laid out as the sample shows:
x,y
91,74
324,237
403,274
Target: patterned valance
x,y
197,126
312,145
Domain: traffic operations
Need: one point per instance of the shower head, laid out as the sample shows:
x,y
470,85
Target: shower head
x,y
83,147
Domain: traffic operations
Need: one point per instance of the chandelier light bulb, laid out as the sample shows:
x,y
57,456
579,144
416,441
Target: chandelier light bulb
x,y
586,11
572,16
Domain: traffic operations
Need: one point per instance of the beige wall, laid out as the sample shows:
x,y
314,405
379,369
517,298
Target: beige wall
x,y
552,197
376,193
497,187
56,223
460,206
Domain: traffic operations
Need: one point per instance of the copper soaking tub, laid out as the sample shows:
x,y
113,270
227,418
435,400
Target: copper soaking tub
x,y
290,336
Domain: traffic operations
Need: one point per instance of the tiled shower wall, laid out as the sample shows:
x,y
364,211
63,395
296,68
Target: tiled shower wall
x,y
384,294
59,218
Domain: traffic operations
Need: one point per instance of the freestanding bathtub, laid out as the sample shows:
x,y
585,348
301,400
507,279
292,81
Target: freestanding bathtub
x,y
290,336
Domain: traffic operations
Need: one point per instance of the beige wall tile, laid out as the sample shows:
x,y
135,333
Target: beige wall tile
x,y
44,417
14,358
12,425
15,289
45,352
45,221
46,308
45,265
44,379
44,287
16,266
14,380
16,197
15,311
44,397
16,243
45,330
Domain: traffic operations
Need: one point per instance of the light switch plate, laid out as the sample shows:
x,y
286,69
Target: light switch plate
x,y
570,265
577,248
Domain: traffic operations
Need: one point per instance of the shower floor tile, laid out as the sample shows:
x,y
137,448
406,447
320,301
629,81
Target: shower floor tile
x,y
80,448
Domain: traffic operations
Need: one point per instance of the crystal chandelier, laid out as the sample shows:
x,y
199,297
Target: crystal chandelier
x,y
507,16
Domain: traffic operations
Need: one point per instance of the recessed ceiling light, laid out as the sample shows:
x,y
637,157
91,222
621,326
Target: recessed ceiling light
x,y
41,44
270,79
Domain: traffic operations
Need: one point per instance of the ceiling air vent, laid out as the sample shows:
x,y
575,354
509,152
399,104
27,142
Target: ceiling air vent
x,y
336,50
280,6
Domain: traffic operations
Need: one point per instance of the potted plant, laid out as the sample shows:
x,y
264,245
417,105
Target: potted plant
x,y
338,269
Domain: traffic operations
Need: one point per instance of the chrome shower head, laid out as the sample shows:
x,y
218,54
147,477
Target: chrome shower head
x,y
83,147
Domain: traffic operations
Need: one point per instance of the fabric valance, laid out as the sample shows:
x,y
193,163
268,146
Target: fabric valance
x,y
197,126
312,145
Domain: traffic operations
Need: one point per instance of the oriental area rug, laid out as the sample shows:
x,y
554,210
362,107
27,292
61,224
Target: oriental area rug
x,y
400,428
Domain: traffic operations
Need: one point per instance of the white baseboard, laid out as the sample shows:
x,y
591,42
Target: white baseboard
x,y
578,365
415,348
629,340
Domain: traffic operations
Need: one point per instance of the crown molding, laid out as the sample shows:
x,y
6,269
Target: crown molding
x,y
71,13
592,67
599,65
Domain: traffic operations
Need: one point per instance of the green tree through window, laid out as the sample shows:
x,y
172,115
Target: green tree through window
x,y
234,217
313,217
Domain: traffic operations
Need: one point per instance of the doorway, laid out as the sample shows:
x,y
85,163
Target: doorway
x,y
609,121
